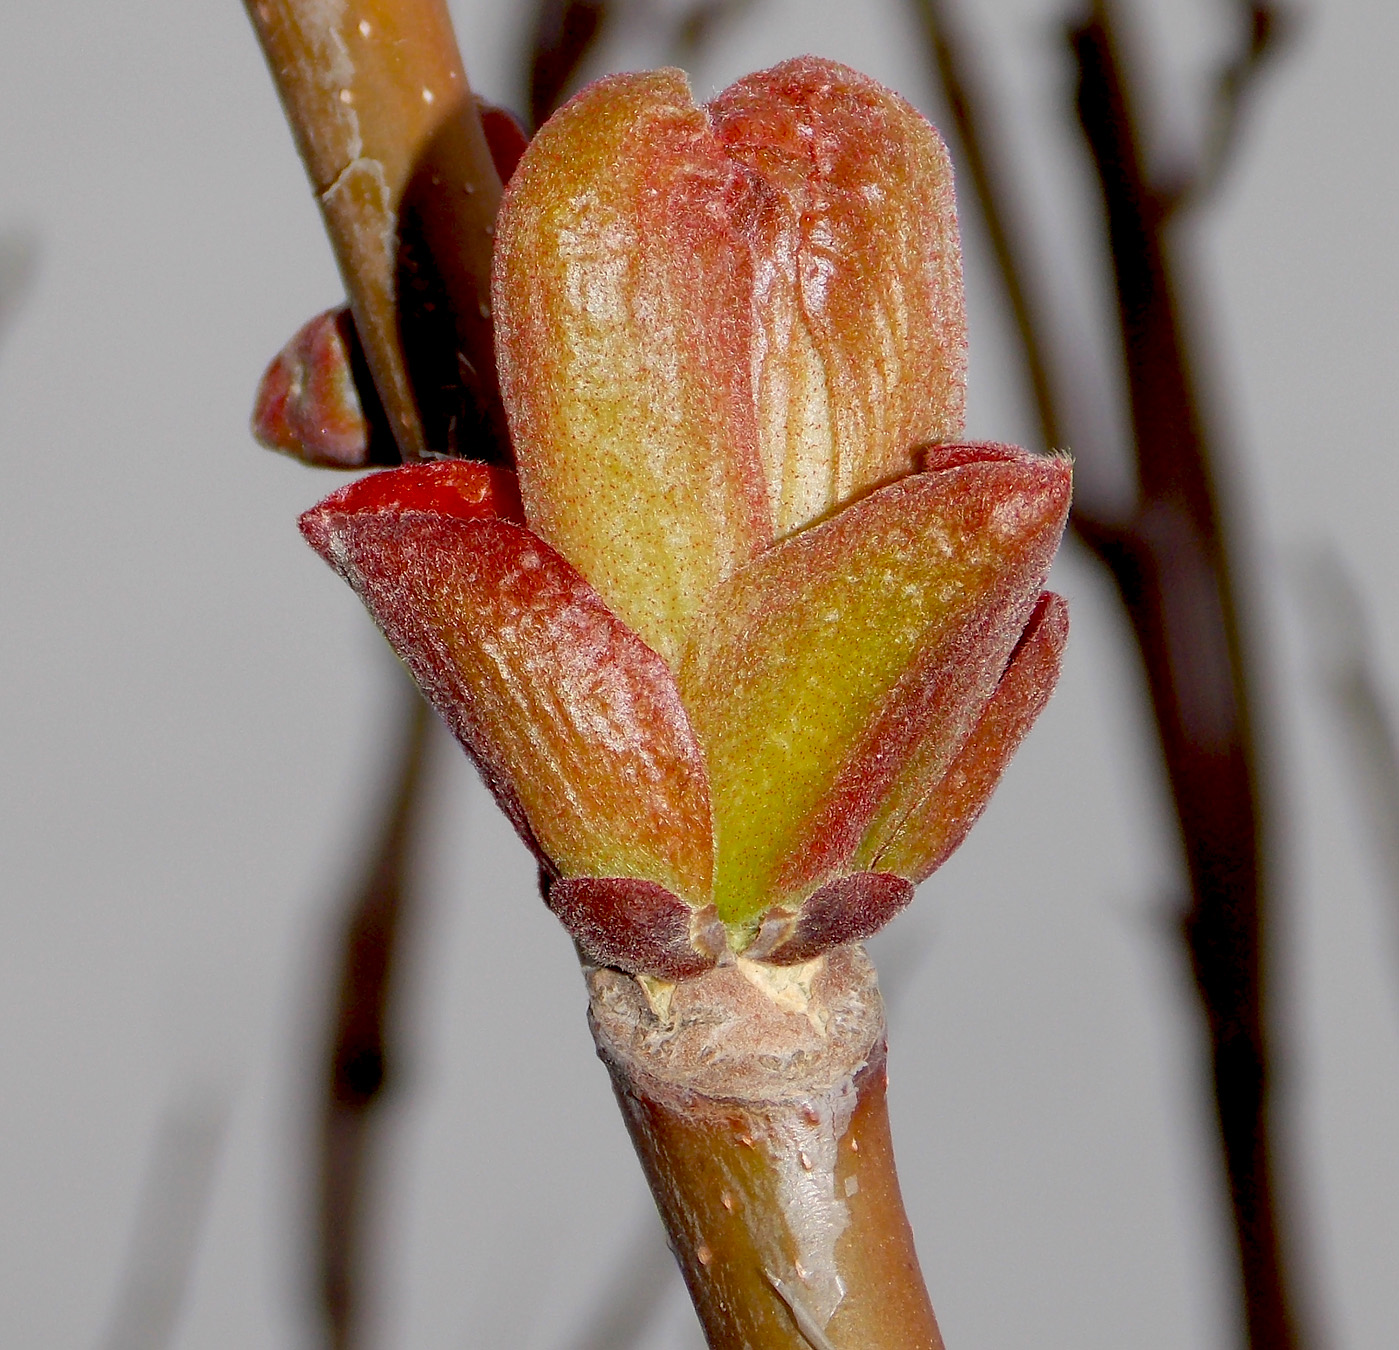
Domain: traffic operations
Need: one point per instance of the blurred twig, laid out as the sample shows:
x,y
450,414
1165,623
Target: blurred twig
x,y
169,1219
1173,569
641,1280
979,142
1265,29
698,25
1360,704
1170,558
19,258
565,31
358,1076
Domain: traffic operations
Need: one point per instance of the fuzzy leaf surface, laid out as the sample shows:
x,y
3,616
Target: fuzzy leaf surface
x,y
927,814
791,669
576,724
623,318
860,348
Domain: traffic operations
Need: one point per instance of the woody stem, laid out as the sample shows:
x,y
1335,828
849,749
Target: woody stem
x,y
755,1098
389,131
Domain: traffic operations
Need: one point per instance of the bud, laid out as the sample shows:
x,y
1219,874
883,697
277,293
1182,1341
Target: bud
x,y
747,653
308,401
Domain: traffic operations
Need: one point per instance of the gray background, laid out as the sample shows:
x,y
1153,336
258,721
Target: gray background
x,y
193,707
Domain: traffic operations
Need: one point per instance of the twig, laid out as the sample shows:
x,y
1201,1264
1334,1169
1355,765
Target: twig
x,y
1264,29
1172,569
1171,563
359,1063
565,31
978,140
169,1219
391,137
1360,705
19,254
638,1285
698,25
642,1277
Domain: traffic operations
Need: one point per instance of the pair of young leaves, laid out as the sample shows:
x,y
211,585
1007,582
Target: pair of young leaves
x,y
748,643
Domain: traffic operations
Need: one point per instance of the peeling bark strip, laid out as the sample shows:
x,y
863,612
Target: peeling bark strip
x,y
386,124
755,1097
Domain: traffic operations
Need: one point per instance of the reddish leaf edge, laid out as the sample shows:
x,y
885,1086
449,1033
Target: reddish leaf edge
x,y
460,489
848,909
966,788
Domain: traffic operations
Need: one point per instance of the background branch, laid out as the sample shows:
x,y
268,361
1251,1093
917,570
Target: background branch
x,y
19,259
978,141
1264,28
1171,562
171,1210
359,1066
1360,705
565,32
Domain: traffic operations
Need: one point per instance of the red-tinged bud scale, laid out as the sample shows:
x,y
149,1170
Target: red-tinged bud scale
x,y
745,648
307,404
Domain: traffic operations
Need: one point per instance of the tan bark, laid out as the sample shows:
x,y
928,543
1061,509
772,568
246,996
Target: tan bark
x,y
755,1097
388,129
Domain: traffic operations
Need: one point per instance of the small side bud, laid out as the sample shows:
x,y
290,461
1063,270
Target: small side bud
x,y
505,137
310,405
637,926
849,909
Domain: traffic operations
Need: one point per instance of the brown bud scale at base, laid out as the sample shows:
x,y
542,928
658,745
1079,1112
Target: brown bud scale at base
x,y
755,1097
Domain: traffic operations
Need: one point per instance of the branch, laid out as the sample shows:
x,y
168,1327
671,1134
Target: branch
x,y
964,89
1171,563
170,1217
19,258
766,1143
635,1290
359,1061
386,124
1360,705
1173,570
698,26
565,31
1263,32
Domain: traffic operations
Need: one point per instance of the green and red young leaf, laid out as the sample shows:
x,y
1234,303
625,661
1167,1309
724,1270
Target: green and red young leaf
x,y
574,721
715,324
818,667
926,816
860,350
622,308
